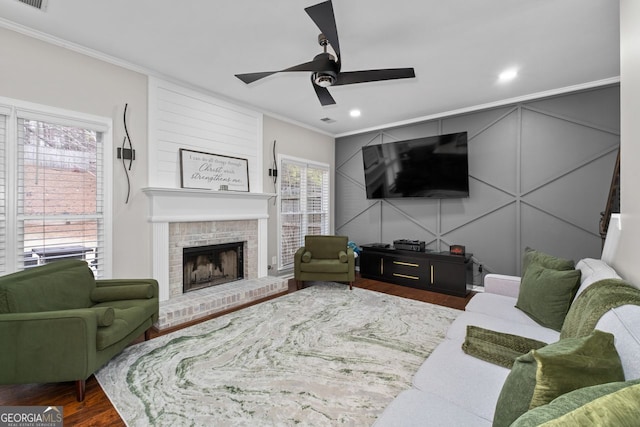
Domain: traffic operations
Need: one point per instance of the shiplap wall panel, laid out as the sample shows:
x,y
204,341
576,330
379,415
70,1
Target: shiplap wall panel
x,y
183,118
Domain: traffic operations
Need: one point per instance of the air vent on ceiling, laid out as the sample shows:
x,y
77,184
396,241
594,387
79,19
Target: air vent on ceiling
x,y
328,120
38,4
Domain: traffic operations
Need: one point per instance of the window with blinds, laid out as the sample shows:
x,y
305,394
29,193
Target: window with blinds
x,y
59,193
304,205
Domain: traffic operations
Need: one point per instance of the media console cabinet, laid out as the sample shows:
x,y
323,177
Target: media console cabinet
x,y
431,271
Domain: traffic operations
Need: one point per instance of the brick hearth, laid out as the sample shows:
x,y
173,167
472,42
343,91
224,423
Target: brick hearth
x,y
215,299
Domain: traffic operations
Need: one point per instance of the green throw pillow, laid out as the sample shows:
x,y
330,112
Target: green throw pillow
x,y
541,375
306,257
546,294
532,256
601,405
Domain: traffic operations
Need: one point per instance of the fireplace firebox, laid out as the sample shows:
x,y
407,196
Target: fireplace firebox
x,y
211,265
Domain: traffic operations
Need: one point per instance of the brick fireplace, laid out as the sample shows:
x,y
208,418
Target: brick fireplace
x,y
192,235
185,218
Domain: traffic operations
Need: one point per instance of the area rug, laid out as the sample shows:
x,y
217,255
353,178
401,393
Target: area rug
x,y
324,355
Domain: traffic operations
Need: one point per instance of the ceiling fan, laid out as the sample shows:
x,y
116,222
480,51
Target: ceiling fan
x,y
325,68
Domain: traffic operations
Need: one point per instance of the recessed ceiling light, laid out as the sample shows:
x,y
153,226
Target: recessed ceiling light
x,y
355,113
507,75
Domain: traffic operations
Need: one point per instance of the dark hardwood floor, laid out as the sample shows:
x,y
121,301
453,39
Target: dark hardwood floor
x,y
96,409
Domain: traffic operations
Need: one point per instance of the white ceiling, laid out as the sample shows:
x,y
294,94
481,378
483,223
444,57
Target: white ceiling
x,y
457,47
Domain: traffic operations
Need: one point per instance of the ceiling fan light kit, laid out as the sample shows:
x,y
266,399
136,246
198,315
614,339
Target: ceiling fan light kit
x,y
325,68
323,79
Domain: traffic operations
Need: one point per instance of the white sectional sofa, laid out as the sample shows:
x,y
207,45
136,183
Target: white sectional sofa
x,y
452,388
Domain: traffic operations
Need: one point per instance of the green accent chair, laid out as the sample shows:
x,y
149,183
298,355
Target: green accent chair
x,y
58,324
324,258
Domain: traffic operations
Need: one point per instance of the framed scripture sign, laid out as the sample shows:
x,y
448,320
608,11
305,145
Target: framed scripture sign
x,y
213,171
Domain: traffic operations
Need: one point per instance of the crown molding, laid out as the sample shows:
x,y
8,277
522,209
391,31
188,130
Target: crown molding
x,y
48,38
489,105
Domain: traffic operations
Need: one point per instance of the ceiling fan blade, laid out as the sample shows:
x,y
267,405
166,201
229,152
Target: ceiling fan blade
x,y
319,63
324,96
252,77
352,77
325,20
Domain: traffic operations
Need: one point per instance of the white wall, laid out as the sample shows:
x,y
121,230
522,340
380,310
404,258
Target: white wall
x,y
39,72
629,246
35,71
300,142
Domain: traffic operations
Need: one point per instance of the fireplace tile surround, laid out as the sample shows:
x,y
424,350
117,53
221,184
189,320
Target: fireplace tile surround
x,y
185,218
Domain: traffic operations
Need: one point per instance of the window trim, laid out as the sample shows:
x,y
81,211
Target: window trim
x,y
28,110
307,162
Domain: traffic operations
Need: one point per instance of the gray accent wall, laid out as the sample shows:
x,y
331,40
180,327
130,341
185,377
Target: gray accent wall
x,y
539,176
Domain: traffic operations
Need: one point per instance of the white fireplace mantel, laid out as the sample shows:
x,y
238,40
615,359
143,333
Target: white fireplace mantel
x,y
171,205
186,205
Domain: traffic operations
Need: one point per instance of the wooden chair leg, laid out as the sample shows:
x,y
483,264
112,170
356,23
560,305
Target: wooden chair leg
x,y
299,284
80,388
350,286
147,334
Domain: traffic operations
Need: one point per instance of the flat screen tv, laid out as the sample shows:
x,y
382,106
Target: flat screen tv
x,y
435,167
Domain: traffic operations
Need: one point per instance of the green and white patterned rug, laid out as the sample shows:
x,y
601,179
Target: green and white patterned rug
x,y
320,356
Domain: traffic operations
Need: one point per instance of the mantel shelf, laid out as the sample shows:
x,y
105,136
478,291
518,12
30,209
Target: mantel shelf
x,y
191,192
187,205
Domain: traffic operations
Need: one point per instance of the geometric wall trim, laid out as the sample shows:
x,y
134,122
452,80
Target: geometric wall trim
x,y
539,176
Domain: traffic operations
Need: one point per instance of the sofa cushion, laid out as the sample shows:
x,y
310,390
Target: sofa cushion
x,y
324,266
306,256
125,321
602,405
541,375
60,285
415,408
465,381
546,294
499,306
532,256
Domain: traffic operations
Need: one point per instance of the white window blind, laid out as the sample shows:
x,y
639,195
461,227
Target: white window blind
x,y
60,194
304,205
